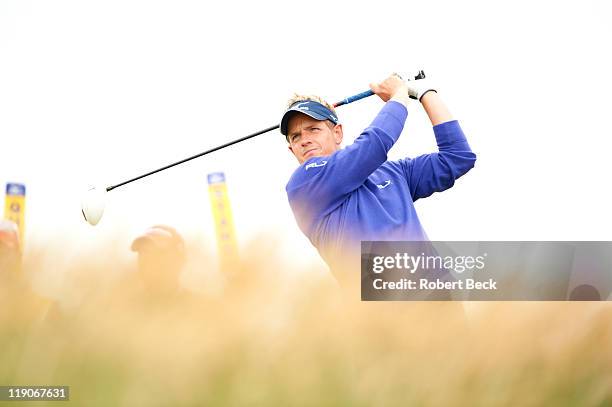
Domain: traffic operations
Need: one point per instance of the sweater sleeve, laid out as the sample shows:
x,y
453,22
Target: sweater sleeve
x,y
324,182
437,172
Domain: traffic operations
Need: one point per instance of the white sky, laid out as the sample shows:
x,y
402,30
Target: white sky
x,y
99,92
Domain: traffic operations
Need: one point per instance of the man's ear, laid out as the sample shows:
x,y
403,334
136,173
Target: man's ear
x,y
338,134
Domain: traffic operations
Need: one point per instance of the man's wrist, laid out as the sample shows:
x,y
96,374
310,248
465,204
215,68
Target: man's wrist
x,y
426,94
401,96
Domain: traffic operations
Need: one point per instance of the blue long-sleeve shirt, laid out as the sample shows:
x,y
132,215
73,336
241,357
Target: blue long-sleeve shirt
x,y
355,194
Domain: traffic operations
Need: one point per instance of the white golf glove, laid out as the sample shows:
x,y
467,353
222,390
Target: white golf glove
x,y
417,88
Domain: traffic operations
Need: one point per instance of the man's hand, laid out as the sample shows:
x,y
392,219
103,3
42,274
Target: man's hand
x,y
391,88
419,88
395,88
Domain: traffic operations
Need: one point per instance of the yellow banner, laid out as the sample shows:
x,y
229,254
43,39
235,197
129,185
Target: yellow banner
x,y
222,214
14,207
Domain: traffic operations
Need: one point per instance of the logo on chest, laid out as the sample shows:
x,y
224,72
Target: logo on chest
x,y
315,165
384,184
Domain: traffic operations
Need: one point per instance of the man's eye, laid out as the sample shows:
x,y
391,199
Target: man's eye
x,y
315,129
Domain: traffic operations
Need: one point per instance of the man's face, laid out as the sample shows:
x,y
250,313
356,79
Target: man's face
x,y
160,269
312,138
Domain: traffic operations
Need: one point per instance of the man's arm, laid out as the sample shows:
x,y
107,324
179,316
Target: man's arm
x,y
436,109
437,172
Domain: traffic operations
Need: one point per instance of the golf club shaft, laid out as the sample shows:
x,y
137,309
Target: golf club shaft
x,y
354,98
194,156
348,100
343,102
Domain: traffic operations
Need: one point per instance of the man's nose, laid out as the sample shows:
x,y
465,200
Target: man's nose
x,y
305,140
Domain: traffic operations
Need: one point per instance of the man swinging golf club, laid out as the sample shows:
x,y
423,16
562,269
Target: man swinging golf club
x,y
341,196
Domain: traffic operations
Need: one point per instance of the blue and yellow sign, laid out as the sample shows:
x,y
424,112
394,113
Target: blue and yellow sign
x,y
222,213
14,207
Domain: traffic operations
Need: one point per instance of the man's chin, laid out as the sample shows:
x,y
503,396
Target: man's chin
x,y
310,154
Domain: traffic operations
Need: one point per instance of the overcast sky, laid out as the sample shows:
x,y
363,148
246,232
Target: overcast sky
x,y
99,92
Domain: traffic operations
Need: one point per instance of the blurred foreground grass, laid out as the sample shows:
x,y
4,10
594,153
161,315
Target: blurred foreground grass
x,y
277,338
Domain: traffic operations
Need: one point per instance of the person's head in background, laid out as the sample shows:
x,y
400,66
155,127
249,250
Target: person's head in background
x,y
161,257
10,250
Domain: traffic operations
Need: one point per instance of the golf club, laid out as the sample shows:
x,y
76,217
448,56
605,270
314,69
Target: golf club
x,y
92,205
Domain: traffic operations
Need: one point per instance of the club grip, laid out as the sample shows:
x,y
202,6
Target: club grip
x,y
354,98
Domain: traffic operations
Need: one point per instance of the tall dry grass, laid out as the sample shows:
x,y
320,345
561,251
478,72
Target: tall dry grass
x,y
277,338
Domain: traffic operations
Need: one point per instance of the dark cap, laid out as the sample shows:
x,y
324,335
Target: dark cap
x,y
310,108
160,237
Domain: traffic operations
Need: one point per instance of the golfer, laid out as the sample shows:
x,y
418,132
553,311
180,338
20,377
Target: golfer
x,y
341,196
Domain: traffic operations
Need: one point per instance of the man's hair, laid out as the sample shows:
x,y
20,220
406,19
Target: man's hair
x,y
301,98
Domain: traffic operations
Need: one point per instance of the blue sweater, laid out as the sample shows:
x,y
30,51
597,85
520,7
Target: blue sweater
x,y
355,194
